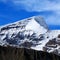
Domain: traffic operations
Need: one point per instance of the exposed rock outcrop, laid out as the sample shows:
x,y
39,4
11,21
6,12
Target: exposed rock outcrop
x,y
13,53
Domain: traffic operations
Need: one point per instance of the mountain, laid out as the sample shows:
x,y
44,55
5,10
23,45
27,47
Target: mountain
x,y
13,53
31,33
21,31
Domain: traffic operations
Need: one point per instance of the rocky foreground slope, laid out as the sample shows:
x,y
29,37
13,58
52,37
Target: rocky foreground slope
x,y
13,53
30,35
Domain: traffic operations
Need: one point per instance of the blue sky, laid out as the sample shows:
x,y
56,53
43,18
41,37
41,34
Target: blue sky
x,y
14,10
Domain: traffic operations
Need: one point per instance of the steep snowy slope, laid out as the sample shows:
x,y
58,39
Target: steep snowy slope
x,y
36,27
51,42
50,35
31,33
19,32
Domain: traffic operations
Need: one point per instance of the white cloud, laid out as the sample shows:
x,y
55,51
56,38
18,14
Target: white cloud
x,y
42,5
38,6
53,19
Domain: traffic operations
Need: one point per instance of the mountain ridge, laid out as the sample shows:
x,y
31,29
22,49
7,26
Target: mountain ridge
x,y
30,33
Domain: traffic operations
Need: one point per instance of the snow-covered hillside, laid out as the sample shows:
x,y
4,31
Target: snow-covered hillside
x,y
16,33
31,33
49,37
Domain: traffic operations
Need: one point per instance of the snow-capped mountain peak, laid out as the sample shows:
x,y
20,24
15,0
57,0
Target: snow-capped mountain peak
x,y
37,25
30,33
16,33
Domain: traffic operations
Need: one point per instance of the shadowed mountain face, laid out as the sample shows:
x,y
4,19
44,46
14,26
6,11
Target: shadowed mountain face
x,y
30,33
11,53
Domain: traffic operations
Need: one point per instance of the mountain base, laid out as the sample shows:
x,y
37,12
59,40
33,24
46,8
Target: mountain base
x,y
12,53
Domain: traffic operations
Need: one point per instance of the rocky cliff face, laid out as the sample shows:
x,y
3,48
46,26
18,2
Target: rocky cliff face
x,y
30,34
13,53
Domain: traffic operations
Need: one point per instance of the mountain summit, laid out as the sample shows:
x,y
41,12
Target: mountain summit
x,y
37,24
11,33
30,33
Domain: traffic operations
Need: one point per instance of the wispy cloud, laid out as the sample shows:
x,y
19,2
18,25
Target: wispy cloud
x,y
53,19
38,6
